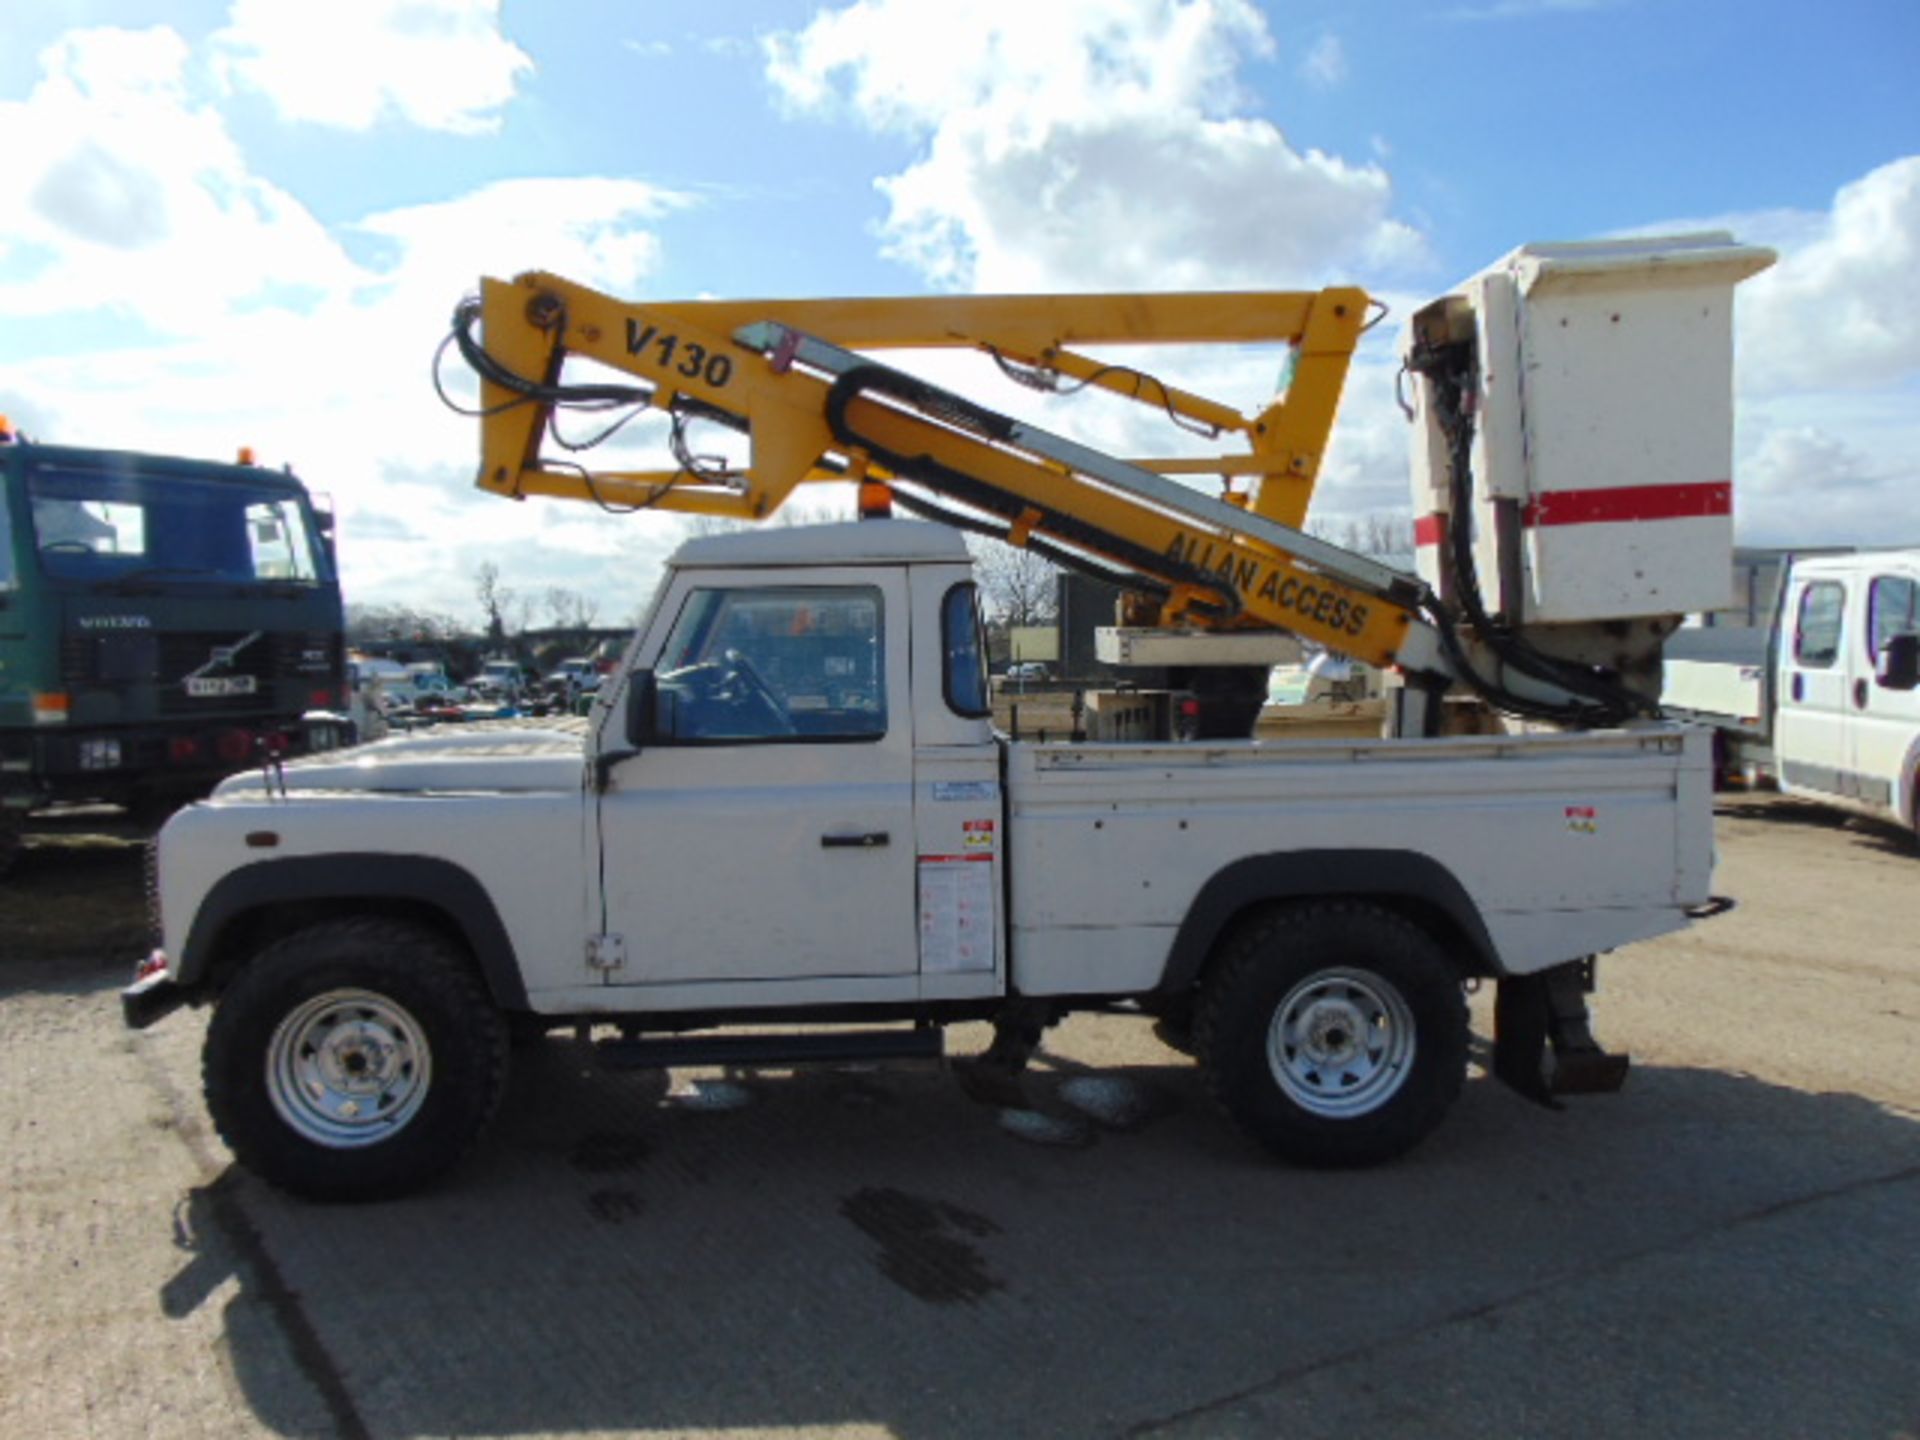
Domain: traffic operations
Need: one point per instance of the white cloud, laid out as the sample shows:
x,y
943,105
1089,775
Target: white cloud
x,y
439,64
1803,485
1837,310
1528,9
127,194
1828,370
237,318
1089,144
1325,63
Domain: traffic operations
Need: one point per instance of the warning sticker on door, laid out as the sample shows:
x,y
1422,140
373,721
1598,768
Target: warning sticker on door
x,y
977,834
956,913
1583,819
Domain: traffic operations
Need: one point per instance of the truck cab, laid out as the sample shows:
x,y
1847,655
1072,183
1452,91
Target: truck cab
x,y
163,622
1846,726
806,712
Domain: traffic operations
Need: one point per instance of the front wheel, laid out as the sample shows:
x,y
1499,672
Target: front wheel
x,y
354,1060
1334,1034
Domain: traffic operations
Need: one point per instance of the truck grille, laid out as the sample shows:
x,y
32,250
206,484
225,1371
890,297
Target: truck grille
x,y
263,659
297,660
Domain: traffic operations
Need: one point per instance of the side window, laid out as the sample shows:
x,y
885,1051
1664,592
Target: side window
x,y
964,672
90,527
793,664
1816,633
7,580
1893,608
277,540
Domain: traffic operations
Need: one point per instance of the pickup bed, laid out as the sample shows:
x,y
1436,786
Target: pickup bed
x,y
789,805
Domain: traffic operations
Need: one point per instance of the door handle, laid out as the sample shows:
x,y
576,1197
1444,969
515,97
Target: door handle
x,y
871,840
1859,694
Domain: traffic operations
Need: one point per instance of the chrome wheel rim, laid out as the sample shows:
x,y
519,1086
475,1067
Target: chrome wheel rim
x,y
348,1068
1341,1043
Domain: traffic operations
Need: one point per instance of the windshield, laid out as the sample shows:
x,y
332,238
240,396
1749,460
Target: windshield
x,y
92,525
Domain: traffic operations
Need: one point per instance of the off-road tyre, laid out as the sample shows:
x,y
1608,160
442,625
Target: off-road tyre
x,y
316,1004
1309,1091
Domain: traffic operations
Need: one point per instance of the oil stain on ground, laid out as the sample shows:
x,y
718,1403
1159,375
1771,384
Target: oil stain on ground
x,y
606,1151
611,1207
925,1244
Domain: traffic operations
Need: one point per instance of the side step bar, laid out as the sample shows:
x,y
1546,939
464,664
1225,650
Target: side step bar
x,y
809,1048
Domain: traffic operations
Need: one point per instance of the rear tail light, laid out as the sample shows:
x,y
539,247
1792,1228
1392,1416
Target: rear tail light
x,y
50,707
234,747
183,749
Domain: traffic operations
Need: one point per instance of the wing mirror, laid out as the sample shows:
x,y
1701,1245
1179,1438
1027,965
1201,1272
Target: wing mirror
x,y
638,723
1899,663
642,709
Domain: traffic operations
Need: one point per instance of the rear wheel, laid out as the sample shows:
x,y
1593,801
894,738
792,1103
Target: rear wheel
x,y
1333,1034
354,1060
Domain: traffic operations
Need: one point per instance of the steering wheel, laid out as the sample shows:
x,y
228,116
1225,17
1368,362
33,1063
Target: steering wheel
x,y
754,688
67,547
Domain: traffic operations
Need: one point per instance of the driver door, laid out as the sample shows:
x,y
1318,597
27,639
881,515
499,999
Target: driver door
x,y
767,836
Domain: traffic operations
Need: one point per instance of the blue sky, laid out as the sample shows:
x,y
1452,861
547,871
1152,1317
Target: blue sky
x,y
244,221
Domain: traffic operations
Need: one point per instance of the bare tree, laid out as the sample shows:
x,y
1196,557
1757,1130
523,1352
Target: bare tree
x,y
1381,534
1018,586
570,609
374,624
498,601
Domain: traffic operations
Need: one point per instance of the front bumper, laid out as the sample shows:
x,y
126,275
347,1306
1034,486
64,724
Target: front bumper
x,y
153,995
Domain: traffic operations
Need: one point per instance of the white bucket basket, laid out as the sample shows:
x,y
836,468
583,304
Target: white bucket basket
x,y
1603,446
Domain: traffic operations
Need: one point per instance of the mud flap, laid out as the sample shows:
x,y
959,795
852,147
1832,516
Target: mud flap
x,y
1534,1012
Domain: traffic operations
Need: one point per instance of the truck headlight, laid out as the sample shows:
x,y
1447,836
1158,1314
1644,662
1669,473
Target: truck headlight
x,y
99,754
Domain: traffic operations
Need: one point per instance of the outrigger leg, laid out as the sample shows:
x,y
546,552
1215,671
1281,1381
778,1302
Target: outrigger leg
x,y
1532,1011
993,1076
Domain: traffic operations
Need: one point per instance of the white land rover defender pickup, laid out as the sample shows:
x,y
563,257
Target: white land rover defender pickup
x,y
789,805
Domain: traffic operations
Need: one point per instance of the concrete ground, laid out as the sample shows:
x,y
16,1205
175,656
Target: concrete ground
x,y
1730,1247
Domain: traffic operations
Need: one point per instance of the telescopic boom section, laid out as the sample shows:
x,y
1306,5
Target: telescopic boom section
x,y
793,376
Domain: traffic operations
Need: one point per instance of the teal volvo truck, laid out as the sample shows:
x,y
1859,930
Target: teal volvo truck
x,y
163,622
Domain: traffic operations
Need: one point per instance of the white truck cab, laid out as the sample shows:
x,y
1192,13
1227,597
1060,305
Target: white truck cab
x,y
1847,721
1822,694
790,804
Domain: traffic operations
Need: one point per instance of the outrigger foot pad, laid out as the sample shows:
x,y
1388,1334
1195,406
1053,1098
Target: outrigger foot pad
x,y
1533,1012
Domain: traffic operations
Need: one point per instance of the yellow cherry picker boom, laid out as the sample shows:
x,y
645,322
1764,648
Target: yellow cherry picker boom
x,y
800,381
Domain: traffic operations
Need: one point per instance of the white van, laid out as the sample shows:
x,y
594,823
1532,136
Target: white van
x,y
1823,698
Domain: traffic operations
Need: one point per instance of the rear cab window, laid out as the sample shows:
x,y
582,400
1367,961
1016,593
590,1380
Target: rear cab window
x,y
964,652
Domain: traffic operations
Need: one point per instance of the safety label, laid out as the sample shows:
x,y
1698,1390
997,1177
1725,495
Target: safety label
x,y
956,913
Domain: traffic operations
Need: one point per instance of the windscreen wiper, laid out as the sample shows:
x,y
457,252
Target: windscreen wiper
x,y
132,580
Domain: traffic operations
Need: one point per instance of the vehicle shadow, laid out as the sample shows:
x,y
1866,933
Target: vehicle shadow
x,y
1788,812
73,917
868,1253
